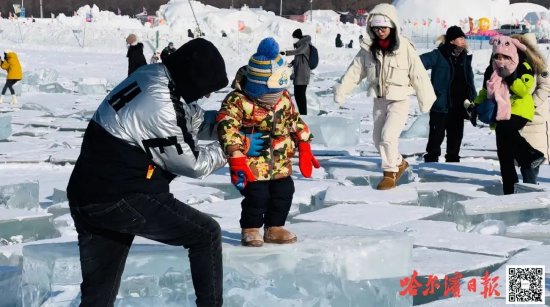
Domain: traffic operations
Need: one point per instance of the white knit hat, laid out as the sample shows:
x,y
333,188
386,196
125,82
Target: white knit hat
x,y
381,21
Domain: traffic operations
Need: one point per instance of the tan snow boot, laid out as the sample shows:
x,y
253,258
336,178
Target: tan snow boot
x,y
13,100
402,168
251,237
388,181
278,235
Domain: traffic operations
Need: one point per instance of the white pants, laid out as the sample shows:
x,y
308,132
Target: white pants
x,y
390,117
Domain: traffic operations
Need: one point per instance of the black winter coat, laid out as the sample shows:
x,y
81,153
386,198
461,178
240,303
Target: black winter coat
x,y
443,73
135,56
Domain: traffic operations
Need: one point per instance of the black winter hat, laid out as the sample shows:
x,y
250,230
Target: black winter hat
x,y
297,33
453,33
197,68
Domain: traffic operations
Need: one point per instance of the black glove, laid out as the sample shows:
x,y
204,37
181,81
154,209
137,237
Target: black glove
x,y
472,112
282,53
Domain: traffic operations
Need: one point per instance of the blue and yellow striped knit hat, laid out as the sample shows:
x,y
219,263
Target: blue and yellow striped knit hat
x,y
261,66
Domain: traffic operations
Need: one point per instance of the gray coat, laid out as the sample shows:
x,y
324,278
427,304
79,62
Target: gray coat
x,y
301,61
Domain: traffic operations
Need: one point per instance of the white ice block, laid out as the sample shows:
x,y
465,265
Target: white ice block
x,y
512,209
92,86
334,131
530,231
444,235
5,127
40,76
427,261
10,281
401,195
331,265
53,87
18,226
21,195
370,216
420,128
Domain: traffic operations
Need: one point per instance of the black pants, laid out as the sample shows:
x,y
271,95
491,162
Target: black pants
x,y
106,231
9,85
301,100
266,203
451,123
512,146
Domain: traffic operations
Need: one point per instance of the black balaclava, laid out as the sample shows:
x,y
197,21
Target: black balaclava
x,y
197,69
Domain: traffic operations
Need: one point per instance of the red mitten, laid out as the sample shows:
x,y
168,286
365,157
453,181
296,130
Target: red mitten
x,y
240,172
306,159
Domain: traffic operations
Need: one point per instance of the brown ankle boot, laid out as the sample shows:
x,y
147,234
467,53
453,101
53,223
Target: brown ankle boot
x,y
278,235
402,168
251,237
388,181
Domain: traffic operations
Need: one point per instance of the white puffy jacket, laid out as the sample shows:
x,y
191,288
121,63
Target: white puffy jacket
x,y
394,75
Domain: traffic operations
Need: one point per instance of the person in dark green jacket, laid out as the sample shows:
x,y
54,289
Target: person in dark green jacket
x,y
453,81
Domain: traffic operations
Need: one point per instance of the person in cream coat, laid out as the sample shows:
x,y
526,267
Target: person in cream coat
x,y
394,71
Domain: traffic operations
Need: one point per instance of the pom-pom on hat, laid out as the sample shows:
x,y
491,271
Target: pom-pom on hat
x,y
453,33
381,21
265,71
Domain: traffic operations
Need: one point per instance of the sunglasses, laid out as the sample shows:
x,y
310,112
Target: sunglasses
x,y
374,29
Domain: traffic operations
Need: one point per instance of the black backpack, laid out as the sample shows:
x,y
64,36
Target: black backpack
x,y
313,57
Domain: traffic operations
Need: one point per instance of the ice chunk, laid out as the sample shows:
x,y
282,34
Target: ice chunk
x,y
331,265
490,227
371,216
511,209
420,128
5,127
59,196
10,281
334,131
438,194
531,231
23,226
41,76
66,156
21,195
92,86
479,173
427,261
528,187
53,87
309,195
36,107
358,170
403,195
140,286
444,235
194,195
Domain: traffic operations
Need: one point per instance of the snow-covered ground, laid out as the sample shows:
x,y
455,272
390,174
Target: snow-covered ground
x,y
355,243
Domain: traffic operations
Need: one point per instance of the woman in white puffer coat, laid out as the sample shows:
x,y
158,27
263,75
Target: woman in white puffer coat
x,y
537,131
394,71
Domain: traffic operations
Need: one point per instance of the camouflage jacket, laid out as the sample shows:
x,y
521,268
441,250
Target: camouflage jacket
x,y
280,125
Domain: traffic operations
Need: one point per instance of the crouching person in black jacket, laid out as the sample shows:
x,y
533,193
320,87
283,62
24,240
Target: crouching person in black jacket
x,y
142,136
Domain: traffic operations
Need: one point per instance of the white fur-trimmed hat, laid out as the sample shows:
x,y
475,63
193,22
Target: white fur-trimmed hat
x,y
381,21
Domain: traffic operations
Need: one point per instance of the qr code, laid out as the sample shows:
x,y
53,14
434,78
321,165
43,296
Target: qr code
x,y
525,284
